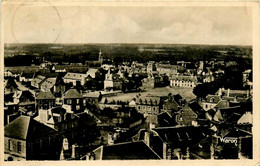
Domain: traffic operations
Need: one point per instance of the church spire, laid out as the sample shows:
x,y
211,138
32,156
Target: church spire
x,y
100,58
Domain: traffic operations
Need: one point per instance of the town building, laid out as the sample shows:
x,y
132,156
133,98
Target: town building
x,y
92,97
210,102
10,86
45,100
135,151
24,101
26,76
75,78
113,81
93,72
73,101
8,73
186,116
167,69
30,140
183,81
151,67
37,82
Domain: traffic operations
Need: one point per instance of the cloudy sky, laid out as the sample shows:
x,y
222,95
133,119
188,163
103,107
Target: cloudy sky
x,y
184,25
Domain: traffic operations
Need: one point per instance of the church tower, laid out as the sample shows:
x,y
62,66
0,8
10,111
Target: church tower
x,y
100,58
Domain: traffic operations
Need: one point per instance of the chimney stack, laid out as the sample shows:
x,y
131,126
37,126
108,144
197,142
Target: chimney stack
x,y
164,150
228,91
147,138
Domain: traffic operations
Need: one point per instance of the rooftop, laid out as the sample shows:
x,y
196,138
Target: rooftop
x,y
127,151
72,94
45,95
24,127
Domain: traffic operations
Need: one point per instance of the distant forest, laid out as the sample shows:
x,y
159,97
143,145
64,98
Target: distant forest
x,y
27,54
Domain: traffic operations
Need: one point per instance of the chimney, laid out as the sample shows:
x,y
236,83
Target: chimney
x,y
147,138
73,152
164,150
228,91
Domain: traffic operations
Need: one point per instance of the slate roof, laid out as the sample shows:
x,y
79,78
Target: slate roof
x,y
222,104
196,108
75,76
45,95
11,83
246,118
148,101
236,132
127,151
48,83
184,78
165,119
92,95
92,71
213,99
25,93
72,94
182,136
228,115
171,104
186,111
211,112
27,74
24,128
38,79
234,93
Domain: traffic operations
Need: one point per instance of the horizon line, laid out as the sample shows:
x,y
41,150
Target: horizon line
x,y
138,43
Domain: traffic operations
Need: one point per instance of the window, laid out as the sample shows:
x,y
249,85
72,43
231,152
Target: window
x,y
19,147
77,107
10,145
69,101
77,101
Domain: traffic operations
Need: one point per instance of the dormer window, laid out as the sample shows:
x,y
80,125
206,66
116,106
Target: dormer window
x,y
212,100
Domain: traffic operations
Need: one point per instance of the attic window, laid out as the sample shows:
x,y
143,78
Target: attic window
x,y
212,99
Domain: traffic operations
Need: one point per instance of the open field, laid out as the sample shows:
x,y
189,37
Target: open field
x,y
186,93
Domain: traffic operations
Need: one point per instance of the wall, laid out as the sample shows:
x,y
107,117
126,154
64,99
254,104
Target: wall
x,y
14,152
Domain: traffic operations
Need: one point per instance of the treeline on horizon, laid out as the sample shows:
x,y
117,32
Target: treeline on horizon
x,y
126,53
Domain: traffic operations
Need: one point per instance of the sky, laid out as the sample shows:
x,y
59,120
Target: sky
x,y
106,24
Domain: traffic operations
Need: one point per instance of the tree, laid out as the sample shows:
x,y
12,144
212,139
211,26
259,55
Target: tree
x,y
202,90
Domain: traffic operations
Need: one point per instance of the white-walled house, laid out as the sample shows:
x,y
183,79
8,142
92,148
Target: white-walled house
x,y
183,81
74,78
